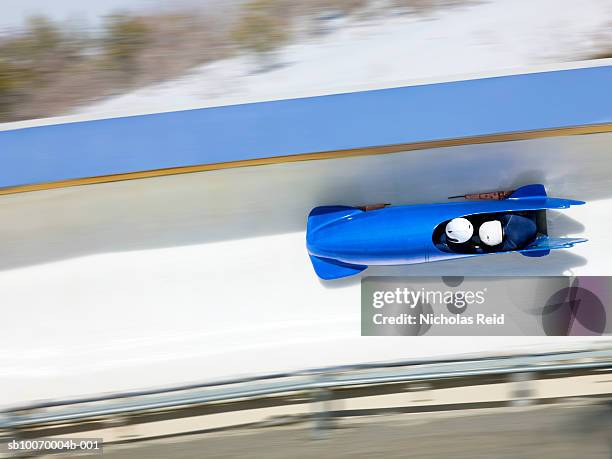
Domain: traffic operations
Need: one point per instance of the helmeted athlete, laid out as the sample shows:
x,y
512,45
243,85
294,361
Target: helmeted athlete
x,y
459,230
459,236
507,232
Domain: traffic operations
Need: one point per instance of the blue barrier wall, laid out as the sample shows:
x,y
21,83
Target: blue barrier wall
x,y
316,124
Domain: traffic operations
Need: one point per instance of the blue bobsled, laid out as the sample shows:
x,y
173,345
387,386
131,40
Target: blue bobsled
x,y
343,241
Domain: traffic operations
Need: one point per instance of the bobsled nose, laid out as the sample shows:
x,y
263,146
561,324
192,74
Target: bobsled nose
x,y
330,241
325,234
328,269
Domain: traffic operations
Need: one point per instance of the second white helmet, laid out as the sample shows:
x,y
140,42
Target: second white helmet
x,y
459,230
491,232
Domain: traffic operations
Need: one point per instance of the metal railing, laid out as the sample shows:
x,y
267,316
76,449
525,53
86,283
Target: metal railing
x,y
276,388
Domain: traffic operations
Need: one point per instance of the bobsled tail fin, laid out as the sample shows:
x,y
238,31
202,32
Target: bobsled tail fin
x,y
328,269
544,244
529,191
539,192
323,215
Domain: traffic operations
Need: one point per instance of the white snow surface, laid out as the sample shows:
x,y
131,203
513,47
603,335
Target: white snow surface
x,y
382,51
194,277
186,278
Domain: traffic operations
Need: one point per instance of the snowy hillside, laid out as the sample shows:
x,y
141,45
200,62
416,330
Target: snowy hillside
x,y
387,50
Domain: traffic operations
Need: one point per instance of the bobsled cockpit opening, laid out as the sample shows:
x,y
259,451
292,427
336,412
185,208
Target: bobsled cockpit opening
x,y
474,245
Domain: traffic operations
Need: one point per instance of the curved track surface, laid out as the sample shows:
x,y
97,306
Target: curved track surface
x,y
199,276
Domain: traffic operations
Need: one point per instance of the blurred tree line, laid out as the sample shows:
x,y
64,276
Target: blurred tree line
x,y
48,68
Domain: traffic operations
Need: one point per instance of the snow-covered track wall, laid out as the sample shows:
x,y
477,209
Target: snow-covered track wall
x,y
180,277
528,106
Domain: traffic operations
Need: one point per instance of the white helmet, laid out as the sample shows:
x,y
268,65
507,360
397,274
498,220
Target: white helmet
x,y
459,230
491,232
